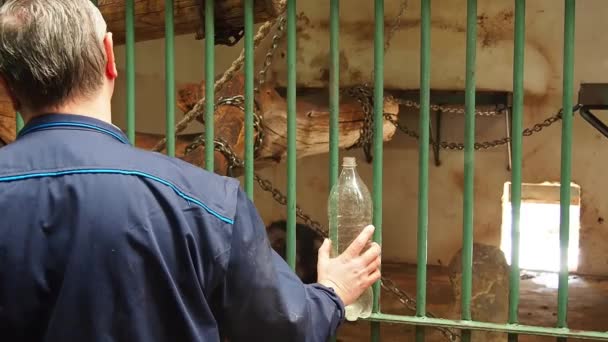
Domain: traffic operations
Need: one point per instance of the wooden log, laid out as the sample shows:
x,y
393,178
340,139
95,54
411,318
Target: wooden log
x,y
312,122
150,17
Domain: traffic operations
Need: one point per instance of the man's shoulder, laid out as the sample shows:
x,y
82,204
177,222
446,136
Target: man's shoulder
x,y
214,193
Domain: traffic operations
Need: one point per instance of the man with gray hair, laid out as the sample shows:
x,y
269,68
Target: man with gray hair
x,y
101,241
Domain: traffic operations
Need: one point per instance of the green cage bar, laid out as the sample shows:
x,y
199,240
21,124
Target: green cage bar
x,y
170,78
423,162
209,84
378,145
334,105
249,87
291,132
496,327
566,162
334,102
130,67
516,146
469,165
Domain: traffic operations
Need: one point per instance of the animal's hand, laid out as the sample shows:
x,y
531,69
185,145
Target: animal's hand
x,y
350,273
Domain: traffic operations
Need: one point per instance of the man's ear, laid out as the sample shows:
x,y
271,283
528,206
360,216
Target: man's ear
x,y
5,90
108,44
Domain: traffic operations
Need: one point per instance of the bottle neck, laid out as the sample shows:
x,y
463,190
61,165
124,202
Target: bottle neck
x,y
349,172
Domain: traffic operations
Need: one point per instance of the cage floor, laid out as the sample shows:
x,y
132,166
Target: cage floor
x,y
588,304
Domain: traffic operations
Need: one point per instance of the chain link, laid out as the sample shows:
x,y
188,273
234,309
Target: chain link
x,y
365,97
270,54
452,110
410,303
538,127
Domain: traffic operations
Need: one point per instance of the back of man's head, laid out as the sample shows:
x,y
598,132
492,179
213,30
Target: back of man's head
x,y
51,51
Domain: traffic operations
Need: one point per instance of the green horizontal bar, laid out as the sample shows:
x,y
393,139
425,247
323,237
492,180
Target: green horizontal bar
x,y
496,327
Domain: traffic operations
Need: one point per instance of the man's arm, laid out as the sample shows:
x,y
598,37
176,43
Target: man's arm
x,y
263,299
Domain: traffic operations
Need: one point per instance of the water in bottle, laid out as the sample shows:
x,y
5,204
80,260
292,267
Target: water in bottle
x,y
350,210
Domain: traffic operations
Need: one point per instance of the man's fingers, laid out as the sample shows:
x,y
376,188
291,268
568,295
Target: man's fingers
x,y
325,249
360,242
372,253
372,278
372,266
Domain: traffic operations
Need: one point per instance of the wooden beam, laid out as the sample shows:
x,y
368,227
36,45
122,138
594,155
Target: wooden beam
x,y
150,17
312,122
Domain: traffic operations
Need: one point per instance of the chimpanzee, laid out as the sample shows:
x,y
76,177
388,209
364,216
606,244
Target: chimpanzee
x,y
307,247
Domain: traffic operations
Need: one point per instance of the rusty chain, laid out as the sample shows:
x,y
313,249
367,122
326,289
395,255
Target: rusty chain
x,y
199,107
270,54
538,127
451,110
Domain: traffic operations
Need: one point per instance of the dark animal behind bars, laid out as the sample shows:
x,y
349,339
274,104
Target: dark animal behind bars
x,y
307,247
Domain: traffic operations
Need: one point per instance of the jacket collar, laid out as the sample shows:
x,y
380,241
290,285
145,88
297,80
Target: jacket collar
x,y
72,121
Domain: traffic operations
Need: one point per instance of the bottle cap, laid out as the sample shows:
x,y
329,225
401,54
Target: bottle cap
x,y
349,161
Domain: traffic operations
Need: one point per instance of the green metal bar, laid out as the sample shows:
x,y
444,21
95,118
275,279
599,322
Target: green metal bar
x,y
130,66
209,84
170,78
334,102
334,106
249,58
19,122
469,165
291,132
423,155
378,144
566,162
516,146
503,328
423,162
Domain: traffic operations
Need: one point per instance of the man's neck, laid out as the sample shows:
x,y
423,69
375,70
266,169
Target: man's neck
x,y
96,109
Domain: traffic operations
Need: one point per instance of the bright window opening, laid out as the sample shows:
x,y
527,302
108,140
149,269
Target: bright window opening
x,y
540,225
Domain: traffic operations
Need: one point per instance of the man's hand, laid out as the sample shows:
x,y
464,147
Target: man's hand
x,y
350,273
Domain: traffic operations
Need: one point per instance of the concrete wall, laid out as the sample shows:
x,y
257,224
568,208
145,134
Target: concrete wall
x,y
543,83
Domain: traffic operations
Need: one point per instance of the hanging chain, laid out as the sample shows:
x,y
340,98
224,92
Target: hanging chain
x,y
365,97
410,303
452,110
270,54
538,127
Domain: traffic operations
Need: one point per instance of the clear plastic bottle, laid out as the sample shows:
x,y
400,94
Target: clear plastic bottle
x,y
350,210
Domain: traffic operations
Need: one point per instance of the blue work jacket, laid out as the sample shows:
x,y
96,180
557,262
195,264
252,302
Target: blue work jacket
x,y
102,241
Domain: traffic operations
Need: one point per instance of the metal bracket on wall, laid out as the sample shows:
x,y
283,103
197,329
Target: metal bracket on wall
x,y
499,100
594,96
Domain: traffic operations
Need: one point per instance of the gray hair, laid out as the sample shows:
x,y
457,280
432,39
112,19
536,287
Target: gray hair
x,y
51,51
